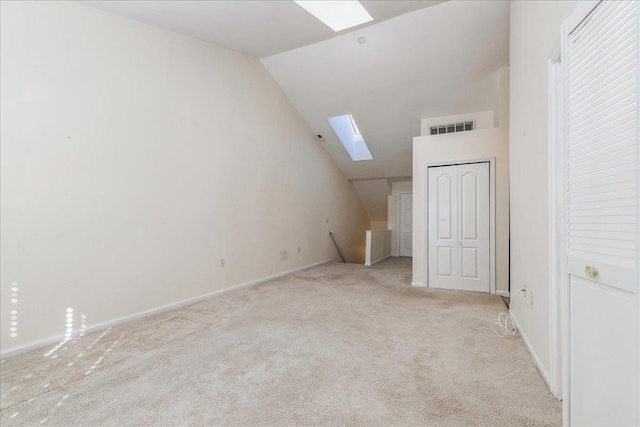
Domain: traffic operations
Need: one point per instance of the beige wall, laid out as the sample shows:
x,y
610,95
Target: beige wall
x,y
129,169
393,207
464,146
378,225
535,28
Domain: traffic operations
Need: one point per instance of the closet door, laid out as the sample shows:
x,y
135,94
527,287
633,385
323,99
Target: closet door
x,y
406,223
442,231
473,227
601,60
459,227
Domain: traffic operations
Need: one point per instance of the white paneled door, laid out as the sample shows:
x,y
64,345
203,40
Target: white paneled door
x,y
406,218
459,227
600,56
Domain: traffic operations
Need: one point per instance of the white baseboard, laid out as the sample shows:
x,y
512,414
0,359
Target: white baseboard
x,y
534,355
57,339
503,293
376,261
418,284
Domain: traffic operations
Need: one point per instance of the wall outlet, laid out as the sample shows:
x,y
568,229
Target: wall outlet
x,y
221,262
327,220
298,249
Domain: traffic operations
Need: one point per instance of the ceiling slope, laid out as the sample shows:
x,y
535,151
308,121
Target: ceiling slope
x,y
258,28
373,194
438,61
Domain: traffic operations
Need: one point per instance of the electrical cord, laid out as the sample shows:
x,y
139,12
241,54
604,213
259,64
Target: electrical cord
x,y
504,324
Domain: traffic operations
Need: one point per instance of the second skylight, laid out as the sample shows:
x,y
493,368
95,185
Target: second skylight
x,y
349,134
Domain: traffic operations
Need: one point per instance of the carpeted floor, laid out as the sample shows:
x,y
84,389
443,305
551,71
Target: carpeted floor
x,y
334,345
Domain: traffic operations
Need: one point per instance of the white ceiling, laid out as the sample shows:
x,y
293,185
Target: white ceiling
x,y
259,28
433,62
421,59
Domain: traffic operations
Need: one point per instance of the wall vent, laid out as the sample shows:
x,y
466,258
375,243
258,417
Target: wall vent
x,y
452,127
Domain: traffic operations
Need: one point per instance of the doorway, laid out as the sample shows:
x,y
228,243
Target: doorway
x,y
406,219
459,227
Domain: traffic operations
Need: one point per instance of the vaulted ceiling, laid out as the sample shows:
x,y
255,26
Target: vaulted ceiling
x,y
256,27
420,59
432,62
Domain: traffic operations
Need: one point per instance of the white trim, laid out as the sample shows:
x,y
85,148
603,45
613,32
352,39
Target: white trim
x,y
555,55
564,305
492,214
418,284
377,261
637,379
55,340
527,343
557,245
505,294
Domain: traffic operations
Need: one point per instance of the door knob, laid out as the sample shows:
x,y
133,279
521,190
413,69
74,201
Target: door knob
x,y
590,271
459,243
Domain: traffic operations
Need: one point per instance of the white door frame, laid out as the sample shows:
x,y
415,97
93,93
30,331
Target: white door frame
x,y
492,214
557,226
400,218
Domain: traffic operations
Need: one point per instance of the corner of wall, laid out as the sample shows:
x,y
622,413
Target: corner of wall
x,y
534,28
174,178
501,111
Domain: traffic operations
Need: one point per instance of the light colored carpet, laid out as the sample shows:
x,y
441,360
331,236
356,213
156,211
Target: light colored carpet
x,y
334,345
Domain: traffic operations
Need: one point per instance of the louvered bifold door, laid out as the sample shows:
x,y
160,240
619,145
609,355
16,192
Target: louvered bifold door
x,y
601,72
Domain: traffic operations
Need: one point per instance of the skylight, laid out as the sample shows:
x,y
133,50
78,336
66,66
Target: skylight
x,y
349,134
337,15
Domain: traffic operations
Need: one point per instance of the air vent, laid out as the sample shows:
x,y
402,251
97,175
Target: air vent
x,y
452,127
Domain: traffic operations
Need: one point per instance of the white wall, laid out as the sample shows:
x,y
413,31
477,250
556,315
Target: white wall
x,y
373,194
484,120
463,146
378,225
134,158
393,206
378,246
535,28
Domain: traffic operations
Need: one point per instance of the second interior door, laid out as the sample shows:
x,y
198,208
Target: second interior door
x,y
458,227
406,218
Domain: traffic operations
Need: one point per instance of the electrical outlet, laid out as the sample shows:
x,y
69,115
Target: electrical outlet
x,y
298,249
327,219
221,262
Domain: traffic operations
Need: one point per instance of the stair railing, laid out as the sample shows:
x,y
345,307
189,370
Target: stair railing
x,y
336,243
